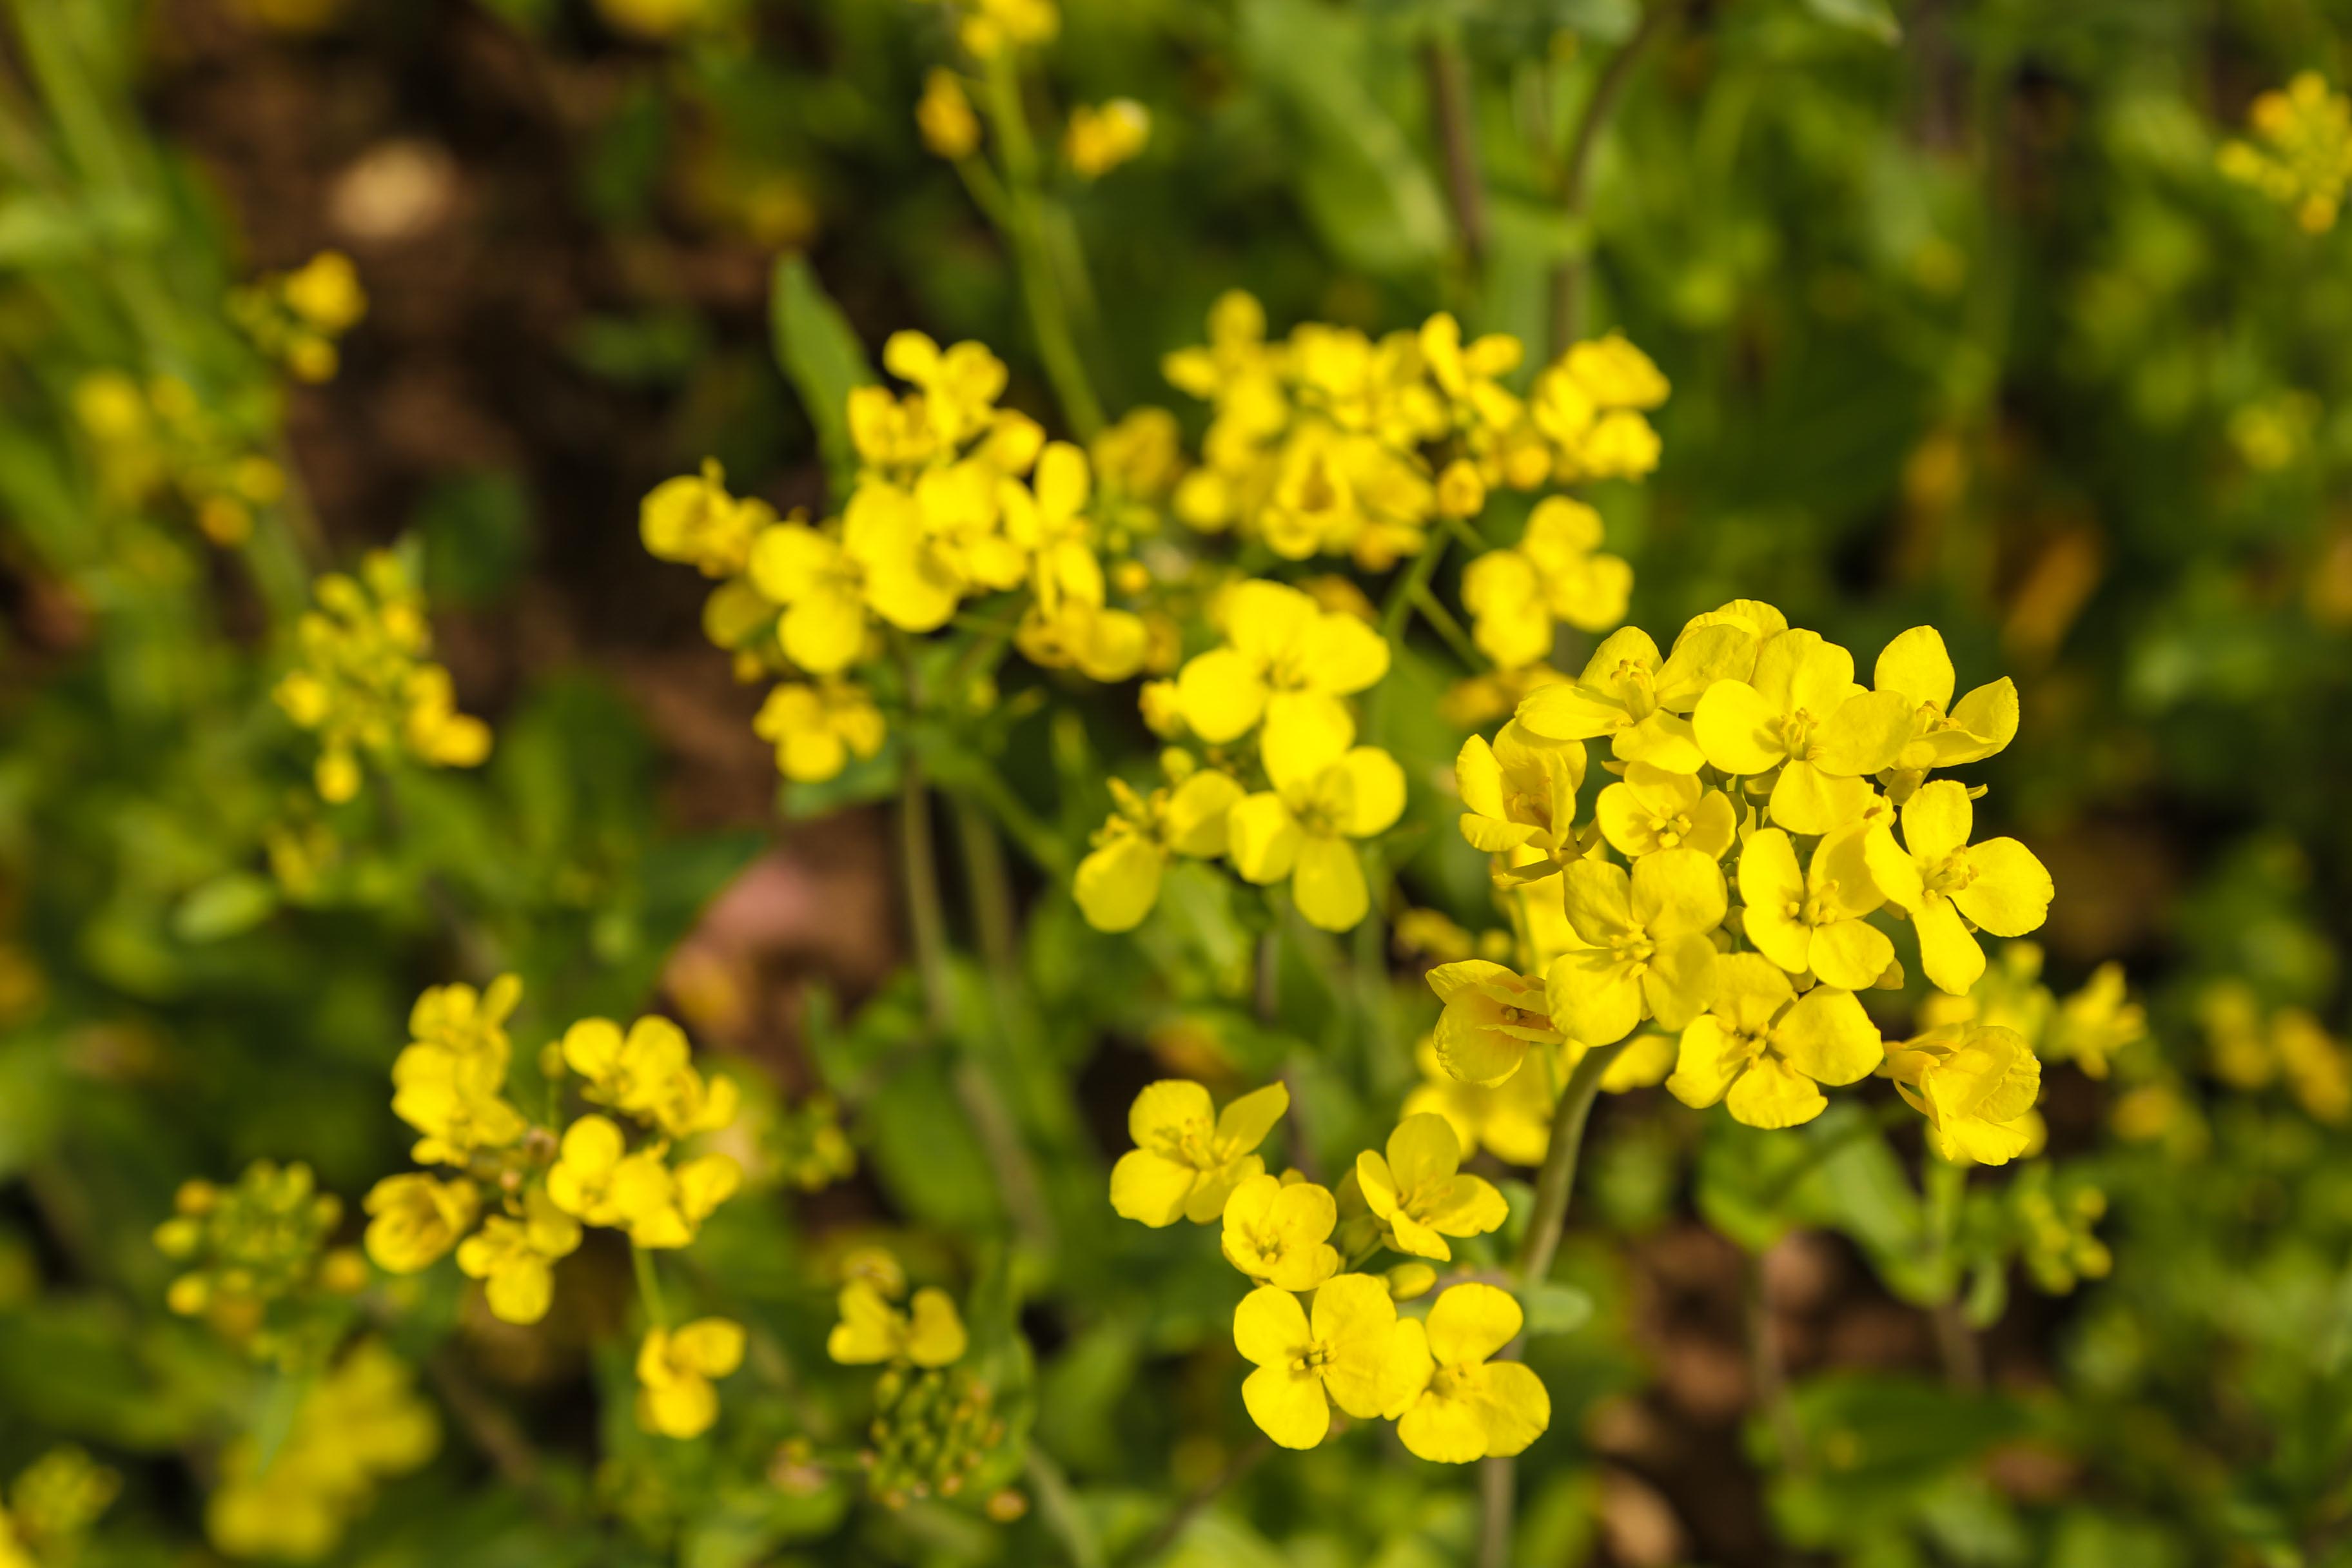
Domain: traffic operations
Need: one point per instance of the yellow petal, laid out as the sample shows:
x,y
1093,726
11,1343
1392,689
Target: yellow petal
x,y
1915,667
1118,884
823,631
1703,658
1467,1205
1355,1316
1829,1038
1422,1150
1950,955
1262,838
1806,800
711,1346
1343,653
1599,900
1705,1064
1406,1368
1327,883
1244,1123
1269,1327
936,1336
1288,1406
1681,979
1306,734
1771,1095
1377,786
1471,1322
1442,1429
1146,1187
1517,1407
1197,812
1892,868
2011,893
1677,891
1865,734
1737,728
1170,1106
1936,820
1593,998
1222,694
1770,883
1479,777
1851,953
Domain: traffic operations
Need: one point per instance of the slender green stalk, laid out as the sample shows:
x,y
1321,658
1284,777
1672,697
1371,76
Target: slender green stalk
x,y
649,1286
1452,109
1057,1505
1576,171
1049,318
1432,610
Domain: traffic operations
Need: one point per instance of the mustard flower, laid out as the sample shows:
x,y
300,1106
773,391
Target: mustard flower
x,y
1645,953
1556,573
675,1369
944,115
1493,1015
693,520
1975,1084
1943,734
1511,1120
1469,376
1464,1405
596,1178
1283,658
1420,1193
2302,157
1100,139
1637,699
1281,1234
414,1219
1765,1050
1951,886
1802,713
991,27
1188,1159
1353,1353
517,1257
816,729
646,1074
1811,921
1324,794
1520,792
1118,882
820,581
929,1333
1102,643
1654,808
2097,1021
455,1100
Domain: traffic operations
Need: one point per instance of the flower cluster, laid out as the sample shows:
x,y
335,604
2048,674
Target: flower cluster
x,y
451,1085
359,1424
934,1421
50,1507
1749,758
253,1247
2252,1048
1348,1346
1102,138
987,28
162,438
296,318
2301,154
1331,443
366,684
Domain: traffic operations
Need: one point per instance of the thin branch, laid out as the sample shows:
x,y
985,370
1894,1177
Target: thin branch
x,y
1576,173
1452,108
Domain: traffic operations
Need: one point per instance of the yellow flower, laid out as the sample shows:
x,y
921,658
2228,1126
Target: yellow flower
x,y
1324,794
1283,658
1765,1050
871,1330
1916,666
325,293
1653,808
693,519
1281,1235
1952,887
1645,953
646,1074
1103,644
1463,1406
944,116
1354,1353
1468,375
1511,1121
415,1220
2305,157
675,1372
993,26
1101,139
960,385
1802,713
516,1256
1492,1015
1420,1191
1554,574
1626,693
1813,923
1520,792
817,728
2096,1022
1975,1083
1119,883
455,1100
1187,1159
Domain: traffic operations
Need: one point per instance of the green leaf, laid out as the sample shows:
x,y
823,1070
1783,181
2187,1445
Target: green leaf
x,y
824,359
1872,16
1553,1309
225,906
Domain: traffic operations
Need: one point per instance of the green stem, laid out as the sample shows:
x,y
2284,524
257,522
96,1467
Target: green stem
x,y
649,1286
1451,107
1049,318
1399,604
1435,612
1568,275
1057,1505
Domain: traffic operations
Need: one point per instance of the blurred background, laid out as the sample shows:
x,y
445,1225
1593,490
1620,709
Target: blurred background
x,y
1973,316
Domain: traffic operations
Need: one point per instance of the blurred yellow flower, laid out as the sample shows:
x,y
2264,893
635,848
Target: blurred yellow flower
x,y
676,1371
1188,1158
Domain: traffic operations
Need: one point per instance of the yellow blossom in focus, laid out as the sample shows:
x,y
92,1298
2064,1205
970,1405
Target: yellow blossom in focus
x,y
1188,1158
2301,156
1418,1189
1118,884
1811,923
1638,700
1952,887
1765,1050
945,116
929,1333
1802,713
1943,734
675,1369
1283,657
1325,794
1646,953
816,729
1100,139
1281,1234
1463,1404
1521,794
1352,1352
1975,1083
1493,1015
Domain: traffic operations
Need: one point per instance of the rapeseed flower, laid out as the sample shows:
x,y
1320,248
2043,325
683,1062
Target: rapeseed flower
x,y
1352,1352
1188,1158
1493,1017
1654,808
1283,660
816,729
1281,1234
416,1219
1100,139
1813,922
1802,713
693,520
515,1257
1460,1405
648,1074
1324,794
1119,883
1975,1084
1765,1051
676,1373
1951,887
1556,573
928,1333
1520,792
1943,734
1419,1192
1647,952
1628,693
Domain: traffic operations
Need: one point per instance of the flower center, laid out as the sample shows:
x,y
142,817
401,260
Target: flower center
x,y
1312,1357
1671,830
1951,874
1797,736
1636,687
1189,1142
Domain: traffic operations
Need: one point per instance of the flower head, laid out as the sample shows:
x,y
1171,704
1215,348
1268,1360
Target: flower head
x,y
1654,808
1492,1016
1646,953
1975,1084
1187,1158
1520,790
1765,1050
413,1219
675,1369
1637,699
1324,794
1420,1191
929,1333
1283,658
1811,923
1952,887
1352,1352
1119,883
1281,1234
1802,713
515,1257
1462,1405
